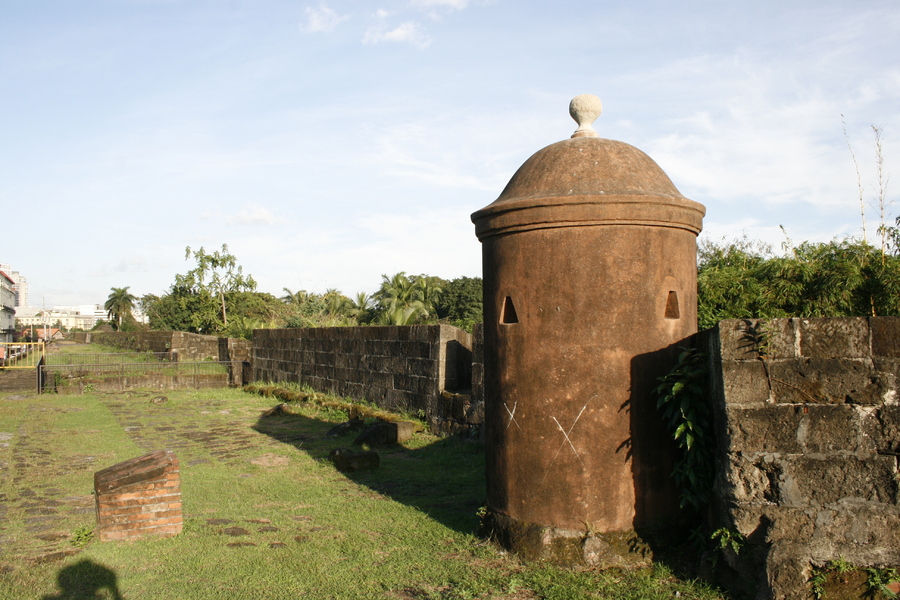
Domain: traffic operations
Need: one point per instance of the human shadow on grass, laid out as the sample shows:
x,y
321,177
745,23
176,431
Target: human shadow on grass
x,y
445,479
85,580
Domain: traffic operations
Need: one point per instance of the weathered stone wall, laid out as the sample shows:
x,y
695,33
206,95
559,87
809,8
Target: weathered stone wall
x,y
189,346
808,433
399,368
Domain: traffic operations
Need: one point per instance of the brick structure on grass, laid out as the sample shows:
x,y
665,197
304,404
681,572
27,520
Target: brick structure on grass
x,y
138,497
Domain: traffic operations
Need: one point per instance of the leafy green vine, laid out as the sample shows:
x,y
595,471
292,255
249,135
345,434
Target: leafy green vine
x,y
682,401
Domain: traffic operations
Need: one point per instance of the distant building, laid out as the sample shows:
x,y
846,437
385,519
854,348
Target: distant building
x,y
20,283
31,316
38,334
7,307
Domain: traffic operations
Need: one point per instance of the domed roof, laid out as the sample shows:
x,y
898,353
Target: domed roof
x,y
588,180
586,166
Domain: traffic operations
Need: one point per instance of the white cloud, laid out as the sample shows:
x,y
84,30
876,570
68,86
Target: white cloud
x,y
454,4
321,20
397,158
128,264
408,32
436,8
251,216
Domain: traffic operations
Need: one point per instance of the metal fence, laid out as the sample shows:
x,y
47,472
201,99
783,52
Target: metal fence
x,y
20,355
111,358
78,378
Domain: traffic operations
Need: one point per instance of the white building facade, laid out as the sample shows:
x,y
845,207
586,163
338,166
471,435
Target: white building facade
x,y
67,318
7,307
20,283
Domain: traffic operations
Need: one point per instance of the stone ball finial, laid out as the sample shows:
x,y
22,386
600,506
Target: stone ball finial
x,y
585,109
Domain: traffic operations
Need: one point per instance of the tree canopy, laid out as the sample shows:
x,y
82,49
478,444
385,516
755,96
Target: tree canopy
x,y
119,305
840,278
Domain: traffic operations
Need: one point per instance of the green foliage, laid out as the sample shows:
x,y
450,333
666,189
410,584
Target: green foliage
x,y
405,300
817,583
841,278
682,400
461,302
878,580
840,568
119,305
331,309
82,536
215,275
190,306
729,539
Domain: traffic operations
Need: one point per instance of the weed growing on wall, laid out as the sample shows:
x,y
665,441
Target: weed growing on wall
x,y
682,400
878,580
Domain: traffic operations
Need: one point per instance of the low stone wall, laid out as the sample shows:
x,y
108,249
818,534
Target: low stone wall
x,y
149,381
808,434
398,368
189,347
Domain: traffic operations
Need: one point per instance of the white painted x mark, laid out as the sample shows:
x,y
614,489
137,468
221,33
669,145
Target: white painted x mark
x,y
566,438
512,415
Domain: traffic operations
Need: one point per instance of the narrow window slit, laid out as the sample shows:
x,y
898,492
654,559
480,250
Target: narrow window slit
x,y
508,314
672,311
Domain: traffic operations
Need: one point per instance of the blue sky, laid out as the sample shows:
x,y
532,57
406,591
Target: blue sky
x,y
329,143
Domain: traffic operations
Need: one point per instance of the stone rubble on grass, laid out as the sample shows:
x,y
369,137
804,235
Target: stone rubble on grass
x,y
349,461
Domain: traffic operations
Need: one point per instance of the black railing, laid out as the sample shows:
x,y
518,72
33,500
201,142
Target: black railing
x,y
131,375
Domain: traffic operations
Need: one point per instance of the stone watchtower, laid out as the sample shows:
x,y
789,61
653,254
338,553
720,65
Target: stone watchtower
x,y
590,276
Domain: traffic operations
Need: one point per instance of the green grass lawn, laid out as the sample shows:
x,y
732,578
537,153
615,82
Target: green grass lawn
x,y
266,515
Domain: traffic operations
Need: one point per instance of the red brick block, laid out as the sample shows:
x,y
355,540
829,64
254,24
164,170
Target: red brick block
x,y
139,497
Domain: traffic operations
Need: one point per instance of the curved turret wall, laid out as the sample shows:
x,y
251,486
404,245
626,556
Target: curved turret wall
x,y
589,259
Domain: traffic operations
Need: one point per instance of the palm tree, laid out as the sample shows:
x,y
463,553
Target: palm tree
x,y
361,308
119,304
429,291
400,300
298,297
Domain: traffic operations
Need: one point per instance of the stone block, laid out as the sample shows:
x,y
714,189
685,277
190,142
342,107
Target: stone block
x,y
875,526
885,336
787,572
747,339
834,338
821,482
765,429
139,497
455,406
882,427
747,481
349,461
385,434
402,381
745,381
475,413
425,386
770,523
832,428
825,380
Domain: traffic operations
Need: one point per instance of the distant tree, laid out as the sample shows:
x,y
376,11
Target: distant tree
x,y
841,278
361,308
461,302
403,300
297,298
216,274
336,304
119,305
